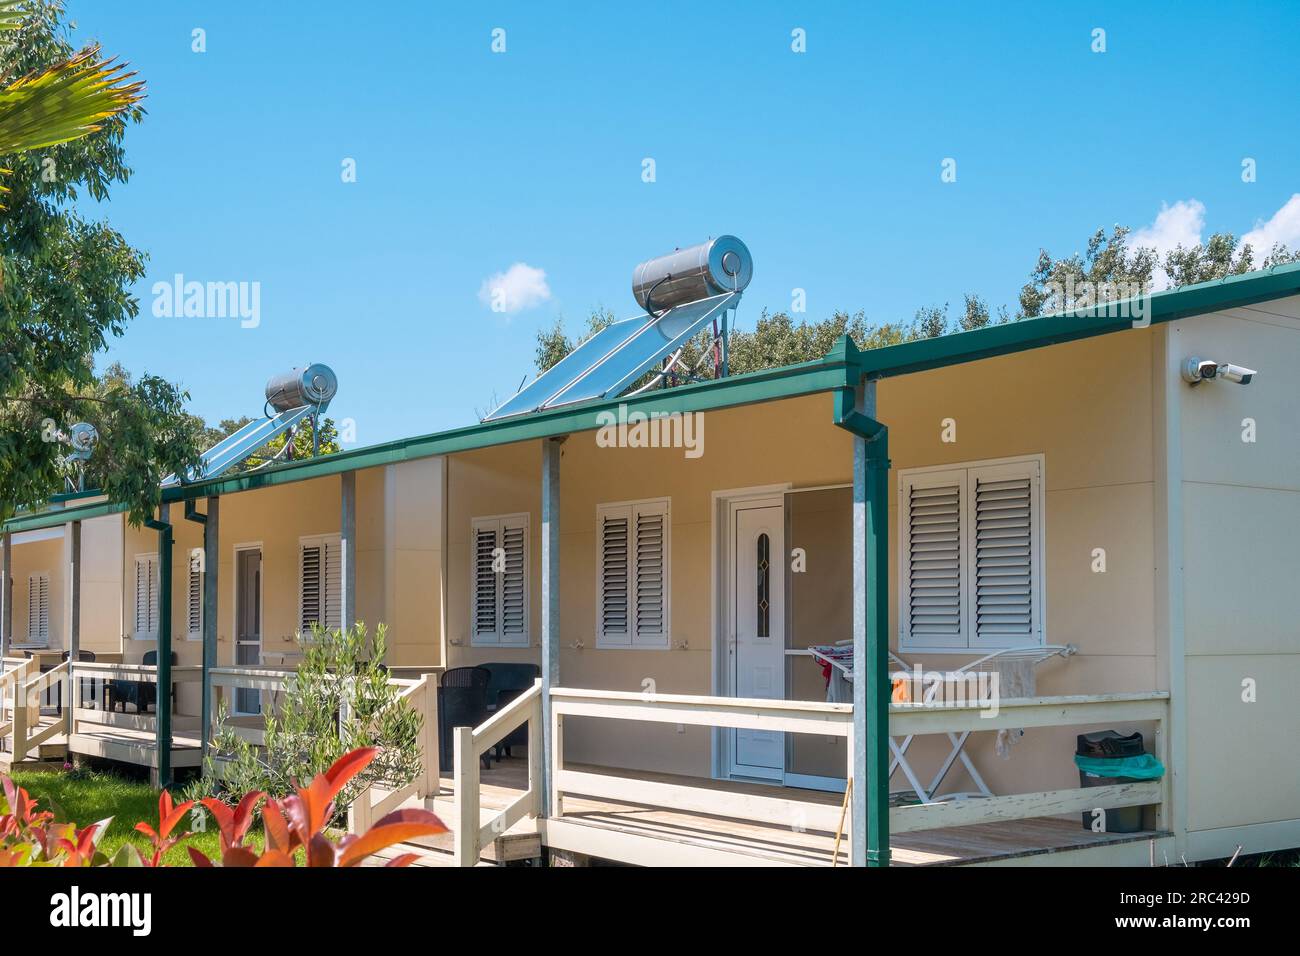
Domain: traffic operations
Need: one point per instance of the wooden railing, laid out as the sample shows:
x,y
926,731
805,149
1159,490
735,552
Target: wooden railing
x,y
374,803
1078,711
788,716
89,692
814,717
28,734
16,671
471,833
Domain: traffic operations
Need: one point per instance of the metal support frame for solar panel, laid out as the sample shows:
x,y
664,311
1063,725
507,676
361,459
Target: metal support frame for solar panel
x,y
616,357
239,445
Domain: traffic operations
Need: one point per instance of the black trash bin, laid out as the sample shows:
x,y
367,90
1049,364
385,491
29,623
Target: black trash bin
x,y
1116,753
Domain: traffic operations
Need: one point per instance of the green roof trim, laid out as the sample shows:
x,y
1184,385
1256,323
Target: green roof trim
x,y
1214,296
842,367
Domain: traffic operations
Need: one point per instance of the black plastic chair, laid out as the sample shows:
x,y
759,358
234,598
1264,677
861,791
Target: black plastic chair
x,y
508,682
462,702
140,693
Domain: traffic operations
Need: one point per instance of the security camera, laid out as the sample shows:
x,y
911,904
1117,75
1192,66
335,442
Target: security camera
x,y
1235,373
1198,370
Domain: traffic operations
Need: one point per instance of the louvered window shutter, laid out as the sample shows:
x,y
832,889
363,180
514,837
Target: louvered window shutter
x,y
1004,586
332,586
146,597
310,586
38,608
194,606
634,573
483,626
931,507
514,581
651,621
614,626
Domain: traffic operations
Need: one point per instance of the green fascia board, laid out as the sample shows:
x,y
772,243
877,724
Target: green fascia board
x,y
790,381
844,366
1214,296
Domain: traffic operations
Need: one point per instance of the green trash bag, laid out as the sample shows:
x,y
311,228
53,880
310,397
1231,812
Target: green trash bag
x,y
1139,767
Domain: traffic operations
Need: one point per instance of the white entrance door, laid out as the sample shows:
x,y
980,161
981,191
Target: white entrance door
x,y
759,616
248,623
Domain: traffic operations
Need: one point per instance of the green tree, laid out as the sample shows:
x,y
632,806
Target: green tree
x,y
67,279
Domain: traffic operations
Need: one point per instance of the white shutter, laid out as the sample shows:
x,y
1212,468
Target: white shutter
x,y
484,601
633,560
514,581
614,625
146,597
38,608
320,582
931,537
1004,574
194,606
332,586
651,578
499,590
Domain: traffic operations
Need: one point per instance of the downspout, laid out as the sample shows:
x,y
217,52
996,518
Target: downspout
x,y
163,697
869,760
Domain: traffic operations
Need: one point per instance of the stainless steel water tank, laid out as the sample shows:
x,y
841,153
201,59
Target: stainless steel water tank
x,y
711,268
307,385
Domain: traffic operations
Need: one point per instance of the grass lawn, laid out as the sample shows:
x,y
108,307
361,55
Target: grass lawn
x,y
88,797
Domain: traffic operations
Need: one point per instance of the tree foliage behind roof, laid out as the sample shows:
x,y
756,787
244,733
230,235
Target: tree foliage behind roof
x,y
66,290
1111,266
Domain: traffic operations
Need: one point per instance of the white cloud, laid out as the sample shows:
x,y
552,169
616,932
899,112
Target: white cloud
x,y
1178,225
1283,227
519,287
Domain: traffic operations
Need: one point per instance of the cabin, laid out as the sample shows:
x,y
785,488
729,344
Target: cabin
x,y
855,611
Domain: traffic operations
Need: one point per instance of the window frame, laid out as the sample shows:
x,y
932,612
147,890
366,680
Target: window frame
x,y
966,473
523,521
660,506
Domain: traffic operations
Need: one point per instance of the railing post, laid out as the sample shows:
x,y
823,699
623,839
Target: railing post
x,y
466,848
20,718
553,806
536,779
432,780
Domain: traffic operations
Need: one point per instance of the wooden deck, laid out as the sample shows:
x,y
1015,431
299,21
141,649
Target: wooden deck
x,y
668,837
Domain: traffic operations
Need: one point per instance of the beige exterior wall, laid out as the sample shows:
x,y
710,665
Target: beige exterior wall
x,y
101,592
34,553
398,513
1240,602
1094,431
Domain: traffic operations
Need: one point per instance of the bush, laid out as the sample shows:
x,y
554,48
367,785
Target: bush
x,y
341,674
294,828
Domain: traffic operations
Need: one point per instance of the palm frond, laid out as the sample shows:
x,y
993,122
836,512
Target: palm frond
x,y
12,13
65,101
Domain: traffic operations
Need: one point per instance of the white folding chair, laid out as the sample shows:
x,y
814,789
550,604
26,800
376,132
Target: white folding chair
x,y
1030,657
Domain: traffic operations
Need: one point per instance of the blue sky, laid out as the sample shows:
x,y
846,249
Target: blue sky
x,y
827,163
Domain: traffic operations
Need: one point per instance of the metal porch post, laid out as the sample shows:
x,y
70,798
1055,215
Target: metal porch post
x,y
74,595
348,540
7,595
211,562
163,697
550,608
869,829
